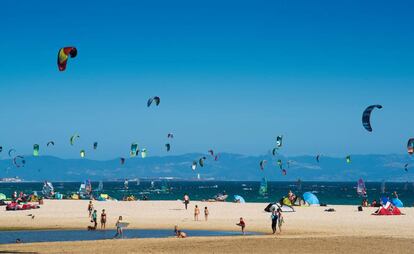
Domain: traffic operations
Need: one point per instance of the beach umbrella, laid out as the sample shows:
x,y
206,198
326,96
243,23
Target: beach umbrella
x,y
240,199
310,198
2,196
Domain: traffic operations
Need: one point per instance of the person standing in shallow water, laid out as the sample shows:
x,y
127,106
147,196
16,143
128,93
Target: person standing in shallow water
x,y
242,224
196,213
186,200
119,231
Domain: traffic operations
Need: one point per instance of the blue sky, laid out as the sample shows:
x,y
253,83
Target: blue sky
x,y
231,76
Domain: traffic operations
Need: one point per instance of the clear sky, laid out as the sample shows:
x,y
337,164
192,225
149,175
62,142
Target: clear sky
x,y
232,75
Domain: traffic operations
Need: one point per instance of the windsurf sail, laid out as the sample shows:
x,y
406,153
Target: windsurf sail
x,y
299,185
126,184
383,187
263,187
361,189
100,186
48,190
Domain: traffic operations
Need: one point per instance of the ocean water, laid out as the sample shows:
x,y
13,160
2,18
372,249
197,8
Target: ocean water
x,y
327,192
84,235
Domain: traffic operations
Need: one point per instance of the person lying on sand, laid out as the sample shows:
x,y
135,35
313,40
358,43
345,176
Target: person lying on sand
x,y
178,233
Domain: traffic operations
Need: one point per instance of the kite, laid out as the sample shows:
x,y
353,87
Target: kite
x,y
279,140
36,150
348,159
19,161
11,151
155,99
72,139
201,161
410,146
366,116
194,165
63,56
262,164
134,150
144,153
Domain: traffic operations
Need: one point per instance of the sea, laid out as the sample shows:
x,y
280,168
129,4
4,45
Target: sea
x,y
335,193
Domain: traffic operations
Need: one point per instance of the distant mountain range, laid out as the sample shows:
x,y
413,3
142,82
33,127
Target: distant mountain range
x,y
228,167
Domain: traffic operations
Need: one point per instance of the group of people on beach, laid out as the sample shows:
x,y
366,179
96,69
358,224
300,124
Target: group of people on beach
x,y
94,217
276,218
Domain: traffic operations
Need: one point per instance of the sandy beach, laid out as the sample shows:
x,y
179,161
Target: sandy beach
x,y
309,226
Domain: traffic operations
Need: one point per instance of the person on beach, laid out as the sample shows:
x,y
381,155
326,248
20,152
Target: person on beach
x,y
280,219
374,203
206,213
95,219
90,208
242,225
196,213
103,219
186,200
178,233
365,202
119,232
274,218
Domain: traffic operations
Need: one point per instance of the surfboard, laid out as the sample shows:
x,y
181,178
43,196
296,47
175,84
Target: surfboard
x,y
123,224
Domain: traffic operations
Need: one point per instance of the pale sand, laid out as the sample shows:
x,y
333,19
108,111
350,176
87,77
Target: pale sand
x,y
329,231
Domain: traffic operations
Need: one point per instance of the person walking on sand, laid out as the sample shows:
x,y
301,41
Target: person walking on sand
x,y
242,224
95,219
119,231
196,213
90,208
274,218
186,200
280,219
103,219
206,213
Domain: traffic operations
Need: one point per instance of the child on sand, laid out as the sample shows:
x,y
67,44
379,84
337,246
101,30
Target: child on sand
x,y
241,224
206,213
196,213
103,219
90,208
178,233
